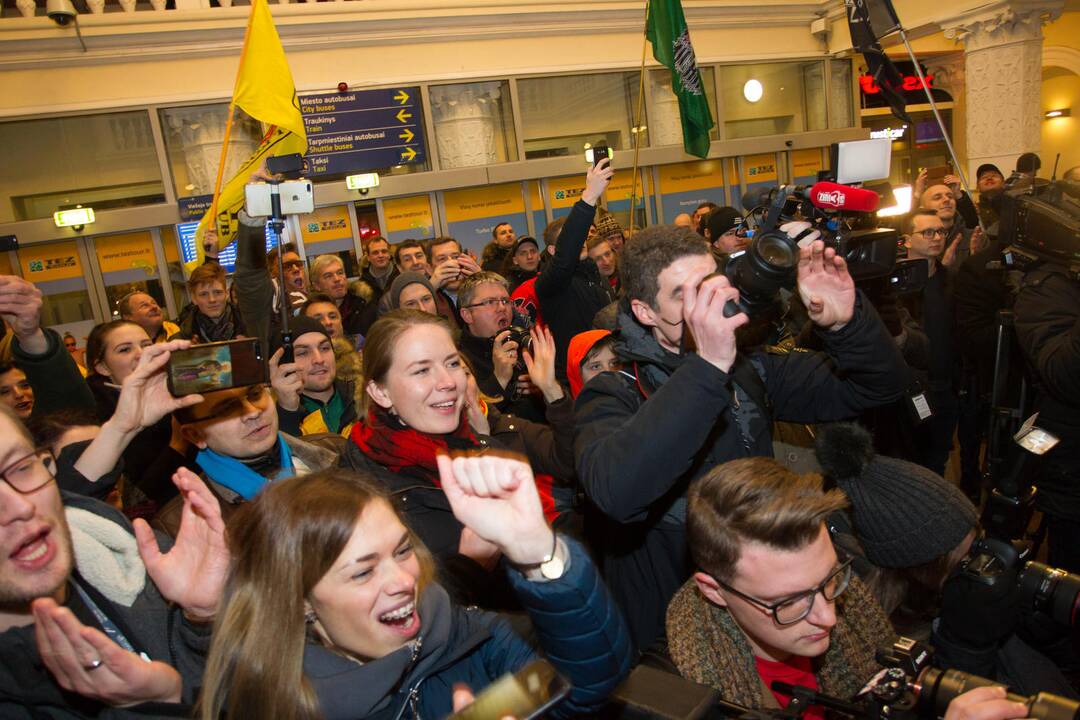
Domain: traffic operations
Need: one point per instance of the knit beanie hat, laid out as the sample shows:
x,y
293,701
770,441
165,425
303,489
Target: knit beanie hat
x,y
299,325
606,226
905,515
403,281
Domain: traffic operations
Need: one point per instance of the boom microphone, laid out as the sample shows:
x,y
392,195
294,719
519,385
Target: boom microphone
x,y
833,196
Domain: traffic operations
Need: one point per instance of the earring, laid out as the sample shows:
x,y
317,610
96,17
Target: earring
x,y
309,617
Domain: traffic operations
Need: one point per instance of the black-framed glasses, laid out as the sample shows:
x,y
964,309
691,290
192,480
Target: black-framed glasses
x,y
792,609
929,233
492,302
31,472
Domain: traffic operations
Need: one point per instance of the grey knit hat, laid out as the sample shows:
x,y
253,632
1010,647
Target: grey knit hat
x,y
904,514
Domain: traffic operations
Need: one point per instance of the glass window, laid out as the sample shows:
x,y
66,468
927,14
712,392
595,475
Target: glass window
x,y
128,264
407,218
193,137
176,271
618,198
58,272
665,124
840,94
100,161
772,98
474,123
559,115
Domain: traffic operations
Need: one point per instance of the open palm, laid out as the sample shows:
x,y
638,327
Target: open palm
x,y
825,286
192,573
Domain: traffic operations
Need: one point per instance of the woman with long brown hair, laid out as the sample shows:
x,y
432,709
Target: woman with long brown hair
x,y
329,611
417,406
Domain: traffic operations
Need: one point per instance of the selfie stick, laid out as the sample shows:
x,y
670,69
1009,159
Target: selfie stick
x,y
937,116
277,221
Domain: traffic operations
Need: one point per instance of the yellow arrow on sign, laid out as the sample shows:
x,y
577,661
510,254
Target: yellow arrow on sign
x,y
408,154
402,97
402,116
407,135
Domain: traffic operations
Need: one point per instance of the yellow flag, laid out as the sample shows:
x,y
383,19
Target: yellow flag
x,y
265,91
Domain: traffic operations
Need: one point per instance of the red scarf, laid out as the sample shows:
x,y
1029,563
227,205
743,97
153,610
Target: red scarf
x,y
404,451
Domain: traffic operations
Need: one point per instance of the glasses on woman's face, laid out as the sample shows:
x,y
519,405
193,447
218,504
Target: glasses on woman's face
x,y
31,472
793,609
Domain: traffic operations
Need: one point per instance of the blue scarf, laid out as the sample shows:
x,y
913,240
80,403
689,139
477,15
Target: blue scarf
x,y
237,476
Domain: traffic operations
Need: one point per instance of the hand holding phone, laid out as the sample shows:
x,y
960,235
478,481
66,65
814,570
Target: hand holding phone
x,y
524,695
286,381
216,366
146,395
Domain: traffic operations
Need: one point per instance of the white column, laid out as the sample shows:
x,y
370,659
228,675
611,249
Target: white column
x,y
1003,78
200,132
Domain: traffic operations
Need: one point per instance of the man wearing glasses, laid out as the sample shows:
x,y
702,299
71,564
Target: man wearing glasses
x,y
772,599
929,348
488,312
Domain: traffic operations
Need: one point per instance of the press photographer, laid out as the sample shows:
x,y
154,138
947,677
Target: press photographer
x,y
1040,226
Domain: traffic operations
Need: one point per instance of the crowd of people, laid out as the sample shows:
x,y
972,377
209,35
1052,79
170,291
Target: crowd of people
x,y
564,448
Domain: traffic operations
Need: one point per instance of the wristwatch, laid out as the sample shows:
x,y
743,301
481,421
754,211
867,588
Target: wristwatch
x,y
552,566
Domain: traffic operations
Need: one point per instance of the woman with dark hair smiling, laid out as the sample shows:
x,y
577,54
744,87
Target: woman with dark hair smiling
x,y
329,611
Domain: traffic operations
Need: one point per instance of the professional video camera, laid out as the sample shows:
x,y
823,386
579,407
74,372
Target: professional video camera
x,y
843,214
1040,223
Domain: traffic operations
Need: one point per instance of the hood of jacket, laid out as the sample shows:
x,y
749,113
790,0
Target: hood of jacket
x,y
636,345
580,345
349,689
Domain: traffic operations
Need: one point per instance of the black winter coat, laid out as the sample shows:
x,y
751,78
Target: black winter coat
x,y
641,441
427,511
1048,328
571,290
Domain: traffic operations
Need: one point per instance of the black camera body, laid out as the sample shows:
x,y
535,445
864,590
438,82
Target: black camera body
x,y
771,261
1042,589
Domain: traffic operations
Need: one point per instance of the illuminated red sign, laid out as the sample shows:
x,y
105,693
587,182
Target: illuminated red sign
x,y
911,83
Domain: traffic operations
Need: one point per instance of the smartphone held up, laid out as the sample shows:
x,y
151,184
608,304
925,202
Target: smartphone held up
x,y
216,366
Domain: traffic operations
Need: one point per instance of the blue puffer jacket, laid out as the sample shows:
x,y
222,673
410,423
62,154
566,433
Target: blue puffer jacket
x,y
576,622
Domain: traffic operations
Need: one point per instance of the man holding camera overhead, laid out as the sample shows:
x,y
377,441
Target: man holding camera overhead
x,y
688,400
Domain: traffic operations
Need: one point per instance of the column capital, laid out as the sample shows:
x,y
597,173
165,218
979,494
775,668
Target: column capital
x,y
1001,22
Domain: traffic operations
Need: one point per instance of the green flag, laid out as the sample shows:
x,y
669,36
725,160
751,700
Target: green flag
x,y
666,30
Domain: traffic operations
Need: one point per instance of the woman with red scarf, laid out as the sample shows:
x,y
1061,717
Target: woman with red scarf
x,y
416,406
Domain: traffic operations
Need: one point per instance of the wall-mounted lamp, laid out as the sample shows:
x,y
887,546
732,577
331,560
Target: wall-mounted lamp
x,y
76,218
1063,112
363,182
752,90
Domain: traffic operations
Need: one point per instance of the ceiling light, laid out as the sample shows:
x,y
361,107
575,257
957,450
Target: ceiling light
x,y
1063,112
75,218
752,90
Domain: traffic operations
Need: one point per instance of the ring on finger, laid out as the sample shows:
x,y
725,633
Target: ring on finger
x,y
93,665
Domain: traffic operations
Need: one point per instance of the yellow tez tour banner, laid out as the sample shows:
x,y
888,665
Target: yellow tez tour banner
x,y
264,90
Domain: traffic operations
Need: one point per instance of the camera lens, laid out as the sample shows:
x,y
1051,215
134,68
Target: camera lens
x,y
1051,591
767,265
776,252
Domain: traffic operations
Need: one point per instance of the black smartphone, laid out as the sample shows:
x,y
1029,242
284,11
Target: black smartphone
x,y
526,694
597,153
289,166
287,346
217,366
8,243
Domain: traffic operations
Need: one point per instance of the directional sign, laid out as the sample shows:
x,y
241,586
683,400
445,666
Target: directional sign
x,y
363,130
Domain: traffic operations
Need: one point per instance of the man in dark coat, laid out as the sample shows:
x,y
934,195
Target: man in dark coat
x,y
570,288
673,414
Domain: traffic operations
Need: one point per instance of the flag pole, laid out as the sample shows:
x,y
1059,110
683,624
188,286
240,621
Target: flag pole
x,y
229,121
636,131
937,116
